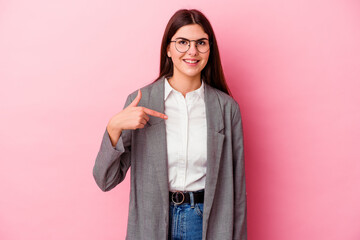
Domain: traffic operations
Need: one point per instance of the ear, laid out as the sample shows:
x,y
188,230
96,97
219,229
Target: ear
x,y
168,52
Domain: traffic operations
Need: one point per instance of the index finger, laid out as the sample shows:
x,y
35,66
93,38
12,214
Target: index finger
x,y
155,113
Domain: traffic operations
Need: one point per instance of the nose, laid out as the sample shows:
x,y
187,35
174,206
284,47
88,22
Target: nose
x,y
192,49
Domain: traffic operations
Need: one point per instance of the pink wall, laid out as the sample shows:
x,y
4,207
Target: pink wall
x,y
66,67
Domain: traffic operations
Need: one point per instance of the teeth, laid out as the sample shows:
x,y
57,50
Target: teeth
x,y
190,61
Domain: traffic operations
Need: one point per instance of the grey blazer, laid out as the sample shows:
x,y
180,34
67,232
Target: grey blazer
x,y
224,216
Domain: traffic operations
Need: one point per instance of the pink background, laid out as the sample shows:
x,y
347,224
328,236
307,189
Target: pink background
x,y
66,68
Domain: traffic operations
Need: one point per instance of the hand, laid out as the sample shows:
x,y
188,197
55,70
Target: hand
x,y
131,117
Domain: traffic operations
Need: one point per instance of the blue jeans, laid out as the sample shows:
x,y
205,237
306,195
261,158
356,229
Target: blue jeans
x,y
185,220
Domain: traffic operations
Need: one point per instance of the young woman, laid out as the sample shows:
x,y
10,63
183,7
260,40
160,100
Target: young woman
x,y
182,136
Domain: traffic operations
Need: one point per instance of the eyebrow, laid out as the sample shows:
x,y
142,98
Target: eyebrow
x,y
189,40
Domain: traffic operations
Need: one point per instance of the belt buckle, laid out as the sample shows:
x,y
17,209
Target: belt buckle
x,y
177,192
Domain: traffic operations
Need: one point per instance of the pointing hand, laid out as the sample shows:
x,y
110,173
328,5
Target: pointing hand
x,y
131,117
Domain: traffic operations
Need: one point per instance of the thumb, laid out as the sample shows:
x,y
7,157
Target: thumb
x,y
136,101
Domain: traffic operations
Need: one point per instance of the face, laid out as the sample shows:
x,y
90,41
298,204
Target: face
x,y
180,60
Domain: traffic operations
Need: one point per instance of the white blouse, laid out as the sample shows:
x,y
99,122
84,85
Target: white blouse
x,y
186,135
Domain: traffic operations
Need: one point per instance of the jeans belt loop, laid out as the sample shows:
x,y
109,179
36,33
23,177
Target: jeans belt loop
x,y
192,199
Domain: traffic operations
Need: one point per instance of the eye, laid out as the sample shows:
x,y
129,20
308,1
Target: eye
x,y
201,42
183,42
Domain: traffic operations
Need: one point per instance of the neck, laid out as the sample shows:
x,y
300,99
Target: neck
x,y
185,84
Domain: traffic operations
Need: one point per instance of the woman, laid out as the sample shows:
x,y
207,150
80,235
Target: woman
x,y
182,136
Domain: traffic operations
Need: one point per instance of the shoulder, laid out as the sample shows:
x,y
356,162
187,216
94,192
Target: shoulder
x,y
224,97
228,104
151,89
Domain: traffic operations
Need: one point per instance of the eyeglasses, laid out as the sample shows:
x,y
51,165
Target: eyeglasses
x,y
183,44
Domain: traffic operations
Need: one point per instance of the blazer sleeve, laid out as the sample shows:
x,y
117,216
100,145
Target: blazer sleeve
x,y
240,204
112,163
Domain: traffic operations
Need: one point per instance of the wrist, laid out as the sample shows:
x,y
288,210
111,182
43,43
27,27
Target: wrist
x,y
113,127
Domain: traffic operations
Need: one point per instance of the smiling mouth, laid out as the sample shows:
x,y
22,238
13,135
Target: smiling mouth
x,y
190,61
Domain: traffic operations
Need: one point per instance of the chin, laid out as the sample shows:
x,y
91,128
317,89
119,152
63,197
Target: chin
x,y
193,75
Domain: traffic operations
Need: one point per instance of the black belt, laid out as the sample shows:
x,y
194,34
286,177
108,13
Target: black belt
x,y
180,197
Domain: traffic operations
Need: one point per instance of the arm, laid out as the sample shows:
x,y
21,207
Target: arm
x,y
111,162
240,209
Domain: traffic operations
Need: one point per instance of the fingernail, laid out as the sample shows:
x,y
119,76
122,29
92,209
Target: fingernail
x,y
166,117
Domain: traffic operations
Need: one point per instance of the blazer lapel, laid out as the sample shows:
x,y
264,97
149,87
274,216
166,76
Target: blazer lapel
x,y
215,140
156,133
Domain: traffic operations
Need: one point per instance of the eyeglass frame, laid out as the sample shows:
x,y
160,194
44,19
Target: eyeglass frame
x,y
190,44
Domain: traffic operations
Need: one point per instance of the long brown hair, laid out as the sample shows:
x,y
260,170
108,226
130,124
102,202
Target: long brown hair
x,y
213,73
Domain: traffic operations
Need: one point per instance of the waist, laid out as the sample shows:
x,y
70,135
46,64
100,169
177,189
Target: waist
x,y
179,197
